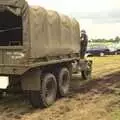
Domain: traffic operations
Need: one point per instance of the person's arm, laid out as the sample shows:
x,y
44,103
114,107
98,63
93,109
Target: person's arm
x,y
82,37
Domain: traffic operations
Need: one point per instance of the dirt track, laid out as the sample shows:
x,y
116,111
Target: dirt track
x,y
91,100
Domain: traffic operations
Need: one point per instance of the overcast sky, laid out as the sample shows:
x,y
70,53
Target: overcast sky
x,y
100,18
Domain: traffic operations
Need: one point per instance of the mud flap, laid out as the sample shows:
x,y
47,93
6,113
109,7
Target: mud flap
x,y
31,80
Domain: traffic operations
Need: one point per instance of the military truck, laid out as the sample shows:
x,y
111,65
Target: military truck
x,y
37,50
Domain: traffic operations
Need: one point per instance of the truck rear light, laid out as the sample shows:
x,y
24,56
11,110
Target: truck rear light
x,y
4,81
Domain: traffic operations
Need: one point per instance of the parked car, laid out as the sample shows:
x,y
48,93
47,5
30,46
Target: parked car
x,y
112,50
97,51
118,50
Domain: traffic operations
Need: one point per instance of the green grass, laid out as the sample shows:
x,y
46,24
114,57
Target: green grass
x,y
101,67
105,65
115,115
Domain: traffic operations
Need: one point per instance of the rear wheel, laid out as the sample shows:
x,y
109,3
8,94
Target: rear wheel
x,y
64,82
115,53
47,95
102,54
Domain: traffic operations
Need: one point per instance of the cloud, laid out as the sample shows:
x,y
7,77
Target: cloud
x,y
103,17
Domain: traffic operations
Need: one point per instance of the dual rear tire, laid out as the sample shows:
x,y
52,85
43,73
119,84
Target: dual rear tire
x,y
51,85
47,95
64,82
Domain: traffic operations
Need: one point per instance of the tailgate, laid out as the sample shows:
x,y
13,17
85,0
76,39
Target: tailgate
x,y
11,55
11,58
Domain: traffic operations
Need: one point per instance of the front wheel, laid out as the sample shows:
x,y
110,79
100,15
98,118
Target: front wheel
x,y
87,73
47,95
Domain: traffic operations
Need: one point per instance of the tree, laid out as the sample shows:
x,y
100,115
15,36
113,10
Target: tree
x,y
117,39
111,40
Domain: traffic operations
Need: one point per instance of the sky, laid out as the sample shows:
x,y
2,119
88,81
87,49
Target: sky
x,y
100,18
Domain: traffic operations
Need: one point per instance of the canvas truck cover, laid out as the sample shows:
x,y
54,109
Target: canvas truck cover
x,y
52,33
45,33
15,6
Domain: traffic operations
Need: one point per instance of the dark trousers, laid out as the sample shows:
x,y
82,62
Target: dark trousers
x,y
83,51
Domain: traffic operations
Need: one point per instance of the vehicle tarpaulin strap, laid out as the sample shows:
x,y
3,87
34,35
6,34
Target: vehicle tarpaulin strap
x,y
16,11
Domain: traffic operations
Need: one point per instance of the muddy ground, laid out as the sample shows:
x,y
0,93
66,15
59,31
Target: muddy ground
x,y
88,100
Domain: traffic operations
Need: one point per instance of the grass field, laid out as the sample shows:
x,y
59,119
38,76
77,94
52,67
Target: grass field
x,y
98,99
105,65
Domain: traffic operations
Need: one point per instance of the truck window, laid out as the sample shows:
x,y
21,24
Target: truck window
x,y
10,29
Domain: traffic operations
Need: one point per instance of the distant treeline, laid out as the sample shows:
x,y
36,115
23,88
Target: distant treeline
x,y
116,39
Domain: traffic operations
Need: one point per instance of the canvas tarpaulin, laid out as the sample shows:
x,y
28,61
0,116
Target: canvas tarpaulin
x,y
15,6
48,33
14,3
52,34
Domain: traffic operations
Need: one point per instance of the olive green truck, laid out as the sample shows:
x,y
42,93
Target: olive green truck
x,y
38,48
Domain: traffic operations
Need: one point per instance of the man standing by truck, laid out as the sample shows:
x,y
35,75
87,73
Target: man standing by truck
x,y
83,43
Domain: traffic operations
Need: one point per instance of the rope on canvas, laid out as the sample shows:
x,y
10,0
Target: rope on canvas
x,y
10,29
